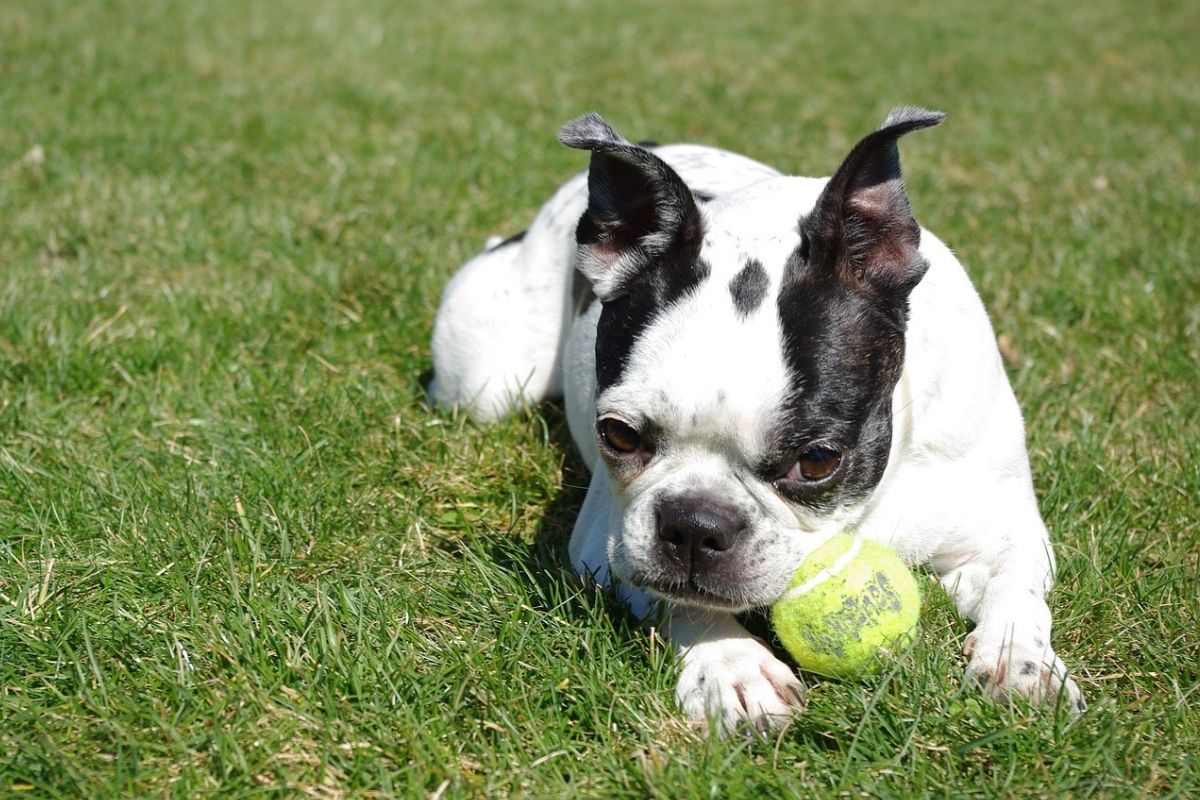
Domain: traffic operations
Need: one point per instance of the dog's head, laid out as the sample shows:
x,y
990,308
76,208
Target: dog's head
x,y
744,368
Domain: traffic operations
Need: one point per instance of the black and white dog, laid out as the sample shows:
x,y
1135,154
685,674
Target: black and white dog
x,y
752,363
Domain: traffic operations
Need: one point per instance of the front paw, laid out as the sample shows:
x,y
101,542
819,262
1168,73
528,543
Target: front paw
x,y
736,683
1007,669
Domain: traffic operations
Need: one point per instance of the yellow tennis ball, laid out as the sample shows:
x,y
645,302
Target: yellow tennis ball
x,y
850,602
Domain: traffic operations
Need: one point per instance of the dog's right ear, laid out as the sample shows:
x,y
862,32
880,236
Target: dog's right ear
x,y
641,218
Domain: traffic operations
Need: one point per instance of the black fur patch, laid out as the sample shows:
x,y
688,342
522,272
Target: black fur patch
x,y
623,318
843,307
845,356
749,287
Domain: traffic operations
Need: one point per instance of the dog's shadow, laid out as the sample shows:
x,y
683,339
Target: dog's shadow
x,y
543,558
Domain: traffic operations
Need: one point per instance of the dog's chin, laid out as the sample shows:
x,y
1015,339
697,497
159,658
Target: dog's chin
x,y
692,594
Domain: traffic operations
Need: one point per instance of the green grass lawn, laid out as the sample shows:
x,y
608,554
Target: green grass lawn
x,y
239,556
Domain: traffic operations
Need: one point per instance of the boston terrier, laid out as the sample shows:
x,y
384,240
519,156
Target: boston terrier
x,y
750,364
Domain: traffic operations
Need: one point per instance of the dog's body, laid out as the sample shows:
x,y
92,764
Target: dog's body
x,y
750,364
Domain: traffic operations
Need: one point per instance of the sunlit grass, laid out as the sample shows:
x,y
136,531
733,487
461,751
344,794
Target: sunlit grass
x,y
238,555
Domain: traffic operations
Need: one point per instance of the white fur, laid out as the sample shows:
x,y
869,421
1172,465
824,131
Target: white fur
x,y
957,493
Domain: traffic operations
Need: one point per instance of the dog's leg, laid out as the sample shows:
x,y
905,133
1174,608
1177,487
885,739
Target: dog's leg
x,y
962,499
1000,581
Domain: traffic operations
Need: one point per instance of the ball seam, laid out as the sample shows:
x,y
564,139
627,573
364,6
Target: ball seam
x,y
825,573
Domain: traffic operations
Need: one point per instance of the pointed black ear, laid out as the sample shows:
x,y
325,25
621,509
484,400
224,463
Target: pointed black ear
x,y
640,213
862,226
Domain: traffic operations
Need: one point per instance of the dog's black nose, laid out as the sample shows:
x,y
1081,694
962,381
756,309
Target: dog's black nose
x,y
696,532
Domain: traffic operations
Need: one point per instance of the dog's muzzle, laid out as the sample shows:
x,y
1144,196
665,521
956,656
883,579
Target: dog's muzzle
x,y
699,547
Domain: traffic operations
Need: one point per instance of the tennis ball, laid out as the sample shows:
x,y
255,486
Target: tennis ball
x,y
850,601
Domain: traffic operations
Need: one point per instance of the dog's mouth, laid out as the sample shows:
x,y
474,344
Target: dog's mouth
x,y
690,593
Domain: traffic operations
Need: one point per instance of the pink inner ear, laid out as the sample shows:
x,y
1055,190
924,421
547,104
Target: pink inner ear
x,y
877,202
887,256
887,235
614,241
606,251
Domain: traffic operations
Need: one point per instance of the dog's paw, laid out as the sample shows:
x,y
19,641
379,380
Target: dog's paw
x,y
1003,670
738,684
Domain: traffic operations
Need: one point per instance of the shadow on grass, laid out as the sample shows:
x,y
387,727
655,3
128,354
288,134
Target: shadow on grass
x,y
538,565
544,561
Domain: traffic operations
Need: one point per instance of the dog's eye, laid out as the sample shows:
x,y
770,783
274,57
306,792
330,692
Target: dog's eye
x,y
815,464
619,437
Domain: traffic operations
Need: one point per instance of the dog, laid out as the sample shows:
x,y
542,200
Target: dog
x,y
751,363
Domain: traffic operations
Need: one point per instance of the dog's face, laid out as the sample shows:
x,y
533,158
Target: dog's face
x,y
744,369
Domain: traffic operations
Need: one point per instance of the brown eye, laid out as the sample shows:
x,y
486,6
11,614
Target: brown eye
x,y
619,437
815,464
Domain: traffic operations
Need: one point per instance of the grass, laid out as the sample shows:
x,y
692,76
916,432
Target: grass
x,y
239,556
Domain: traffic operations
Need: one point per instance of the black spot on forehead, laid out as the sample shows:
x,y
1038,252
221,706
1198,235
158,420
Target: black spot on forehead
x,y
749,287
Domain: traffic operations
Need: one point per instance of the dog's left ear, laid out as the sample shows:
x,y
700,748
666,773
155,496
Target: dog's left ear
x,y
862,225
641,220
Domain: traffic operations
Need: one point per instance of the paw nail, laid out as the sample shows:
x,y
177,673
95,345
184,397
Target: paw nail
x,y
741,696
